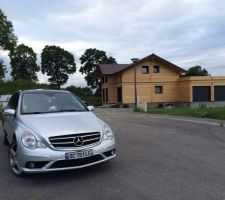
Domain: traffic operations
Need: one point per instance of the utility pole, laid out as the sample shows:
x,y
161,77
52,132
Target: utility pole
x,y
135,60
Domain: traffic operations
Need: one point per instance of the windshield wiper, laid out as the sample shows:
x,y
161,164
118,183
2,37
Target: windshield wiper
x,y
30,113
69,110
55,111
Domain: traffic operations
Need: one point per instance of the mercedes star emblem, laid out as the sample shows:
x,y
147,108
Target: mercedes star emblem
x,y
78,141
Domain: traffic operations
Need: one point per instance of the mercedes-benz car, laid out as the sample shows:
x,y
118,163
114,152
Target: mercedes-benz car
x,y
51,130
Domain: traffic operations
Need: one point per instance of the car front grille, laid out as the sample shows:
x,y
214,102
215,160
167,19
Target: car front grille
x,y
75,140
76,162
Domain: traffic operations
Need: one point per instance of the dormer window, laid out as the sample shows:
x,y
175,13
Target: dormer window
x,y
156,69
145,69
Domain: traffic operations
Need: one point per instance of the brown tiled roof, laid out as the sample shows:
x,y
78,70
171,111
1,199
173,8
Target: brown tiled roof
x,y
114,68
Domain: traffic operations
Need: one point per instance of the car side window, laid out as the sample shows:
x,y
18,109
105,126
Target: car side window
x,y
13,102
10,104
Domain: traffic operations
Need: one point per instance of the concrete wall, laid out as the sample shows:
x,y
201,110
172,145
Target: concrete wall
x,y
207,104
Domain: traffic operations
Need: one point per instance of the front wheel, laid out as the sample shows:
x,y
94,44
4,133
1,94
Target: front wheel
x,y
5,140
13,162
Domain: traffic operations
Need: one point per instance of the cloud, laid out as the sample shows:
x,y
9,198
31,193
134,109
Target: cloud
x,y
186,32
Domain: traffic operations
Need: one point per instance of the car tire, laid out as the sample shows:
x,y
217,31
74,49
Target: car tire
x,y
13,163
5,140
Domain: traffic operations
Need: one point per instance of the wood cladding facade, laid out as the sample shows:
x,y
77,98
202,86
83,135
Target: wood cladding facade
x,y
174,87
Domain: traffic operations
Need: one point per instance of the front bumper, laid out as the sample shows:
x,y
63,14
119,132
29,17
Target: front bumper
x,y
47,160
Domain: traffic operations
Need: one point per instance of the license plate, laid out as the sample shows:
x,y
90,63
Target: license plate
x,y
78,154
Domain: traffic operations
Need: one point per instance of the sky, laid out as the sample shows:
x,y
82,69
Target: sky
x,y
184,32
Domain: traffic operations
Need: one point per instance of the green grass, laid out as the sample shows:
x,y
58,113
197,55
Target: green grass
x,y
139,110
214,113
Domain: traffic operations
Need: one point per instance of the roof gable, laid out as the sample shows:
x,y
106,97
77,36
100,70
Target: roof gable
x,y
108,69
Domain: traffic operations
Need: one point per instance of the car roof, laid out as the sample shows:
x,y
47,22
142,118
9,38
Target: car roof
x,y
44,90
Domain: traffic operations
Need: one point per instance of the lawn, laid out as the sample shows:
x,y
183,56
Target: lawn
x,y
215,113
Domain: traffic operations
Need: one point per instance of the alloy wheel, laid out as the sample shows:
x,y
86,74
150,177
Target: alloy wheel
x,y
12,156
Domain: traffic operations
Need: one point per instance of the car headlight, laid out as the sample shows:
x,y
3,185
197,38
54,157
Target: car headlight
x,y
30,141
107,133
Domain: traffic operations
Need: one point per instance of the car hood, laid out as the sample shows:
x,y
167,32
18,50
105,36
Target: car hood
x,y
54,124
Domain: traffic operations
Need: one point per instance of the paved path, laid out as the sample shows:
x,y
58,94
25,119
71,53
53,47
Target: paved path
x,y
215,122
158,159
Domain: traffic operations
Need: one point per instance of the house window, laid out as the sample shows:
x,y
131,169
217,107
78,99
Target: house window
x,y
156,69
106,79
158,89
103,80
145,70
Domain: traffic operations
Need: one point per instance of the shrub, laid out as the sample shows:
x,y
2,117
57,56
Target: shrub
x,y
139,109
10,87
92,100
1,110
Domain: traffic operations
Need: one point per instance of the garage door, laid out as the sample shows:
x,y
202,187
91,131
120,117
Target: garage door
x,y
219,93
201,93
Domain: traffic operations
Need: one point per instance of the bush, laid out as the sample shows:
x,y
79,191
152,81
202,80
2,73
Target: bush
x,y
92,100
10,87
79,91
139,110
1,110
86,94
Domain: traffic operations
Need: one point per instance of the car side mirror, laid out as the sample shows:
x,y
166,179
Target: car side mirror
x,y
9,112
91,108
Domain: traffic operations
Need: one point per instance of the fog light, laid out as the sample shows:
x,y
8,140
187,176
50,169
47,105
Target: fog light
x,y
31,165
113,152
110,153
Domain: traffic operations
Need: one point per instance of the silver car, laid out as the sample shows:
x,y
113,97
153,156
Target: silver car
x,y
51,130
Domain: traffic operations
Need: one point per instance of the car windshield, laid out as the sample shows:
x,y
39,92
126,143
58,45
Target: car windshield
x,y
47,102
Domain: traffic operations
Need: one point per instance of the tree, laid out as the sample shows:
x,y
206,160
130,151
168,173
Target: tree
x,y
79,91
57,63
90,61
9,87
2,70
8,39
197,71
23,63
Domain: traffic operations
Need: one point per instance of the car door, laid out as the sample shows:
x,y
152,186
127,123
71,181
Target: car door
x,y
10,122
